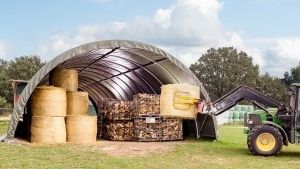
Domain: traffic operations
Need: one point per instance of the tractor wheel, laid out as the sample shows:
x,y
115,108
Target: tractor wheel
x,y
264,140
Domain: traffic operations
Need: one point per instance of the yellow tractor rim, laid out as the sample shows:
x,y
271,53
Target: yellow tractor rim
x,y
265,142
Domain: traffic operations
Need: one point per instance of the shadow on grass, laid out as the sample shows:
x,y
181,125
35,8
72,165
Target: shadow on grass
x,y
290,154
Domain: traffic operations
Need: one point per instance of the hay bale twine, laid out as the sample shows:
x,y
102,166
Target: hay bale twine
x,y
48,101
65,78
77,103
81,129
48,130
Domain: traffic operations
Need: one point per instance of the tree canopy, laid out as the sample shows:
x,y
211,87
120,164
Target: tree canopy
x,y
293,76
223,69
22,68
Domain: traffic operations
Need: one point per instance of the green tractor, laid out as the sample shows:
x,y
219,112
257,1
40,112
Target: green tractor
x,y
267,131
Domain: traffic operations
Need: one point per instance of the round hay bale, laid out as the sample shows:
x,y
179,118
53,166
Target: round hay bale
x,y
65,78
48,130
77,103
244,108
48,101
236,115
230,117
81,129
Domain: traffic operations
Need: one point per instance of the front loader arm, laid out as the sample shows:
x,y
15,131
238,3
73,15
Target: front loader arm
x,y
206,121
243,93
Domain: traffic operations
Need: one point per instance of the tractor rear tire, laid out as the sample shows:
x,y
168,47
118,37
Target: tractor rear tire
x,y
264,140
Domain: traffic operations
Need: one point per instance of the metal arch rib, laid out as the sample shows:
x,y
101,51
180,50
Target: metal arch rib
x,y
72,53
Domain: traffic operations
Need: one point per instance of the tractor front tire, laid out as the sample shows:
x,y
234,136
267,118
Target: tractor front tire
x,y
264,140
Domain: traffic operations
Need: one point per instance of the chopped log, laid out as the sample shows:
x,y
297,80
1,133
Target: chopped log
x,y
99,126
171,129
146,104
121,130
116,109
147,129
102,111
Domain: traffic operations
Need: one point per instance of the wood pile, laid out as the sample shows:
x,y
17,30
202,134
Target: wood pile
x,y
137,120
147,128
99,126
171,129
146,104
119,130
116,109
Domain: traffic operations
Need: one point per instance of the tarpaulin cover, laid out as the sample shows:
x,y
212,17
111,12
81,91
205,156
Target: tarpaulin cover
x,y
112,69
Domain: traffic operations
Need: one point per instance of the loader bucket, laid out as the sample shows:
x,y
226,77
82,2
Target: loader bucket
x,y
207,126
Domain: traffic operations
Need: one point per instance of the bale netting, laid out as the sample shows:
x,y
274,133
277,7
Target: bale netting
x,y
48,130
65,78
81,129
48,101
77,103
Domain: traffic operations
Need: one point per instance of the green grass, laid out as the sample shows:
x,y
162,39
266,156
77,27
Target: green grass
x,y
230,152
3,127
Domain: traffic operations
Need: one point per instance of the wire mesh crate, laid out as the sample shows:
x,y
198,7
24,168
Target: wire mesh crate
x,y
118,130
146,104
171,129
147,129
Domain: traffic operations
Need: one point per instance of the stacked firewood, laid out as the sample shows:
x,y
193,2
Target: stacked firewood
x,y
171,129
102,114
119,130
117,109
99,126
136,120
147,128
146,104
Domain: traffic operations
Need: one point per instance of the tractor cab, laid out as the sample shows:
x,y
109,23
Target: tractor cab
x,y
294,92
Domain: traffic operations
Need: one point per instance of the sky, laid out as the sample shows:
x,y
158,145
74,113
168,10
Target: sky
x,y
268,30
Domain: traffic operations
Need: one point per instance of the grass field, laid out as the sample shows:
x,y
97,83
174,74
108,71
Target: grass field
x,y
229,152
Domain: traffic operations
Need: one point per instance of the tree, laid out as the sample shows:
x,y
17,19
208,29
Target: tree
x,y
3,102
24,67
4,83
293,76
221,70
273,87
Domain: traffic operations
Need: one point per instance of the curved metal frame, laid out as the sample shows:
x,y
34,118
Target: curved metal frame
x,y
98,49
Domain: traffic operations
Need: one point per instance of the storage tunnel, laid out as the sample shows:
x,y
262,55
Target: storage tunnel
x,y
115,69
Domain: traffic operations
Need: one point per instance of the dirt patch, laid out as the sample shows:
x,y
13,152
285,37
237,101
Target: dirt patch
x,y
117,148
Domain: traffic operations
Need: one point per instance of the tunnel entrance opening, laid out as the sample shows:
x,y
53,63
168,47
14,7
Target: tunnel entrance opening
x,y
116,69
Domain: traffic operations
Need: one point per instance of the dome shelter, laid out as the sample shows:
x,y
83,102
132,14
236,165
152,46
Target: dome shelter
x,y
112,69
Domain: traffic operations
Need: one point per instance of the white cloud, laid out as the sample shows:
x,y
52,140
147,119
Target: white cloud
x,y
282,54
163,17
186,29
187,23
3,50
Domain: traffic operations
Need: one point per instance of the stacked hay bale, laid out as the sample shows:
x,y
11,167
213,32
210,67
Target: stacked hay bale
x,y
48,107
81,127
236,114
